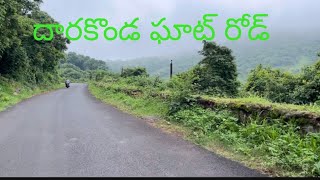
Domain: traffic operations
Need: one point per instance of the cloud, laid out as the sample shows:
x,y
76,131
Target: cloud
x,y
141,8
285,16
247,4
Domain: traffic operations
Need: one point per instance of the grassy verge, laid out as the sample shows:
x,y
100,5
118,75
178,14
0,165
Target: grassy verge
x,y
146,107
273,147
217,146
141,107
263,102
12,92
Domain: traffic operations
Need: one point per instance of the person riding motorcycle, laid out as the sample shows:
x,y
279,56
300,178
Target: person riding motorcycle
x,y
67,82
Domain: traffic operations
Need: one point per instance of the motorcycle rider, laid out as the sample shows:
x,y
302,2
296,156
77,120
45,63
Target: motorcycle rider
x,y
67,82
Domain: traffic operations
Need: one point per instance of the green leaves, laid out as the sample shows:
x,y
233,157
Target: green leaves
x,y
278,143
316,169
217,71
281,86
21,57
308,90
85,62
134,71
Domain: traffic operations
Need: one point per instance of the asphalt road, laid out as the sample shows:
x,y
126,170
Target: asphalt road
x,y
69,133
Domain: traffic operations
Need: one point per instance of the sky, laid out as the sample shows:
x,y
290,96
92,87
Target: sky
x,y
285,17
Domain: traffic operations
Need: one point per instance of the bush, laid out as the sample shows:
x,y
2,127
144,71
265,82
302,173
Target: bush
x,y
272,84
277,142
280,86
135,71
308,90
182,87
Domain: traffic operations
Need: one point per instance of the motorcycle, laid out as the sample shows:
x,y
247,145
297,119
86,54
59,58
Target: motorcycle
x,y
67,85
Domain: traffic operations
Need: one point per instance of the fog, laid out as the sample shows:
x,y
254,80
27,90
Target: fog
x,y
287,19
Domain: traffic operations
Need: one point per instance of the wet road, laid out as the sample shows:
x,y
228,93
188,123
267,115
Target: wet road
x,y
69,133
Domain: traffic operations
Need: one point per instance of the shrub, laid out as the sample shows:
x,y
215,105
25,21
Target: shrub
x,y
277,142
135,71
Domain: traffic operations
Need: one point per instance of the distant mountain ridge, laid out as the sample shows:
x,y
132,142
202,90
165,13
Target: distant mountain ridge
x,y
288,54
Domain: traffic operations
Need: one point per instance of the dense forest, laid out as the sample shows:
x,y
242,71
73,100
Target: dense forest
x,y
21,56
26,60
29,67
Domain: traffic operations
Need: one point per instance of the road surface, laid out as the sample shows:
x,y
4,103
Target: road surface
x,y
69,133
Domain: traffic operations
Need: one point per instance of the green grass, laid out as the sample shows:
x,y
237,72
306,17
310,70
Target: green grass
x,y
278,146
275,147
12,92
213,144
264,102
146,107
141,106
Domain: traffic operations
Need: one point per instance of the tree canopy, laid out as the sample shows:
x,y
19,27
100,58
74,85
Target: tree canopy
x,y
85,62
21,56
78,67
217,71
134,71
282,86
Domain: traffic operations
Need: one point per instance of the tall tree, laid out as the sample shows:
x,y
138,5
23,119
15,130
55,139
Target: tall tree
x,y
217,71
10,12
21,56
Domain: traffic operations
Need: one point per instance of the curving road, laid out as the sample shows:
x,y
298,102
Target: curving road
x,y
69,133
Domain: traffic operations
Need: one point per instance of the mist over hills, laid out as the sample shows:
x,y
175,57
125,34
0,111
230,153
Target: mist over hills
x,y
290,53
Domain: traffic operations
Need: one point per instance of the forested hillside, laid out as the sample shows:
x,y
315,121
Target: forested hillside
x,y
158,66
78,67
286,54
289,54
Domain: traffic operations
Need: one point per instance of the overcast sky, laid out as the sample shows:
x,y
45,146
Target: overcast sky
x,y
285,16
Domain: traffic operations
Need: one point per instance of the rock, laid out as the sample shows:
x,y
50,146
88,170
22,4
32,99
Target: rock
x,y
308,129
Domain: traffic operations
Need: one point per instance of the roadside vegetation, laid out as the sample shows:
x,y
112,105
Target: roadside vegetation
x,y
290,52
269,122
29,67
12,92
79,68
209,107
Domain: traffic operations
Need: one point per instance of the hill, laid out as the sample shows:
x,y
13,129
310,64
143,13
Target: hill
x,y
287,54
